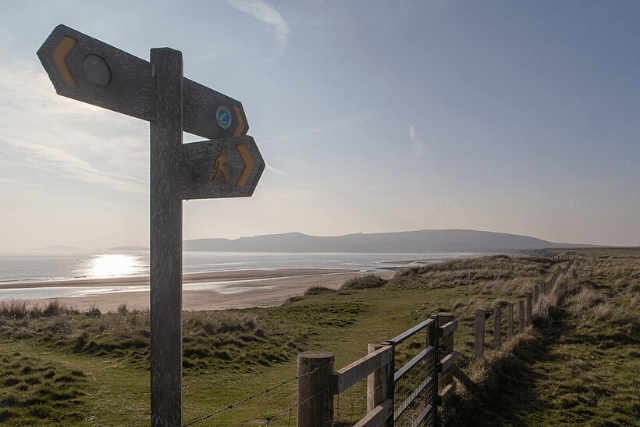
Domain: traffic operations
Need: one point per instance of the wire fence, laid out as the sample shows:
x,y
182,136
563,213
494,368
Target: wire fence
x,y
350,406
414,394
288,417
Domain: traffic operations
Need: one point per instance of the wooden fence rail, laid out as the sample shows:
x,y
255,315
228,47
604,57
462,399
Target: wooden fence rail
x,y
318,383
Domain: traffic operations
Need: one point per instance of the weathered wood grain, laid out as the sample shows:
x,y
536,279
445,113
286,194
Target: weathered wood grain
x,y
315,399
481,316
356,371
497,327
166,243
378,416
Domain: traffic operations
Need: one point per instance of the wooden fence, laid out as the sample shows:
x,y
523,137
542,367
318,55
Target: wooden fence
x,y
388,399
525,316
392,400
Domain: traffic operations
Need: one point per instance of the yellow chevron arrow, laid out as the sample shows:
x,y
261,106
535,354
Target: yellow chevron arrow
x,y
248,164
240,127
60,54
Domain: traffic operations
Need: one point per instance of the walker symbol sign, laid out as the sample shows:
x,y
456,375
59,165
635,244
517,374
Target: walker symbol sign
x,y
229,167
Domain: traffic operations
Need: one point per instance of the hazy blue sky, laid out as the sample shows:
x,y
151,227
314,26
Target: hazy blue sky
x,y
512,116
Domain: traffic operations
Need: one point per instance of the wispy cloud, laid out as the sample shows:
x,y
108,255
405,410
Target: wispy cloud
x,y
274,170
59,162
329,126
65,138
264,12
417,142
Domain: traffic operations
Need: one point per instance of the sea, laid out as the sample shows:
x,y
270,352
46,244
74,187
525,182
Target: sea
x,y
16,269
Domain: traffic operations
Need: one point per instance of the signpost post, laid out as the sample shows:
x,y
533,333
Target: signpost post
x,y
227,165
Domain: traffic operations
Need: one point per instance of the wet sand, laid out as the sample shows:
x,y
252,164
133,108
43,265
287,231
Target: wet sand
x,y
254,288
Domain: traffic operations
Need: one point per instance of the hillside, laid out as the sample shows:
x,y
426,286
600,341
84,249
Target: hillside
x,y
424,241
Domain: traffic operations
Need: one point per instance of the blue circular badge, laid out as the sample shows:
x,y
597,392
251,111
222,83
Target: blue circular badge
x,y
223,116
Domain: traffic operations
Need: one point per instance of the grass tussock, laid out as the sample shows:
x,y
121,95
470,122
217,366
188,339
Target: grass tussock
x,y
218,322
364,282
217,339
34,390
12,310
317,290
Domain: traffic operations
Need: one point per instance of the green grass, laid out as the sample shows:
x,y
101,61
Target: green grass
x,y
61,366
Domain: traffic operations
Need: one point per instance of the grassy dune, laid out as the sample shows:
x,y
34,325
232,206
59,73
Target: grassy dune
x,y
579,364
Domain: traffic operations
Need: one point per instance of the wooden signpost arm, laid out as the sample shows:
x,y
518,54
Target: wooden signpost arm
x,y
166,243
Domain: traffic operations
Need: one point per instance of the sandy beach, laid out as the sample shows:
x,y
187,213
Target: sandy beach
x,y
250,288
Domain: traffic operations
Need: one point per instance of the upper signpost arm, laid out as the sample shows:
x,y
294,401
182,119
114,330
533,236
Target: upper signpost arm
x,y
201,108
88,70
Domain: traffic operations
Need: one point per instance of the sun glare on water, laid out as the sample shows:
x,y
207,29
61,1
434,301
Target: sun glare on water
x,y
113,265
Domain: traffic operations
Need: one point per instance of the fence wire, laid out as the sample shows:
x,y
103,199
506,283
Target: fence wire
x,y
414,395
263,392
350,406
292,418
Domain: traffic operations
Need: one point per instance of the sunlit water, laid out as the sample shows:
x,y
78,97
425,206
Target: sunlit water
x,y
113,265
55,267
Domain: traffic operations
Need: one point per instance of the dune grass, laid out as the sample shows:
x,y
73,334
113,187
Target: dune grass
x,y
578,365
62,366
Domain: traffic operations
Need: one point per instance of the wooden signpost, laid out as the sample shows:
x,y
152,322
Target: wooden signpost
x,y
228,164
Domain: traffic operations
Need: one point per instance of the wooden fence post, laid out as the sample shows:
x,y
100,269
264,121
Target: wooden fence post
x,y
497,327
315,399
376,383
432,340
521,315
529,309
510,320
446,347
481,316
536,294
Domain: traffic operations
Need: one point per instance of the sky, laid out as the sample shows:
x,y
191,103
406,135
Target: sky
x,y
372,116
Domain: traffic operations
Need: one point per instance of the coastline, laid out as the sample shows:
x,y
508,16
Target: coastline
x,y
248,288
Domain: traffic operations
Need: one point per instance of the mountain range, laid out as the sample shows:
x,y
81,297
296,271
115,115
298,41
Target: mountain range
x,y
424,241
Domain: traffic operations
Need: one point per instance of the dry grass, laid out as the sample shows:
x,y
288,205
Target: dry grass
x,y
576,366
498,274
364,282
